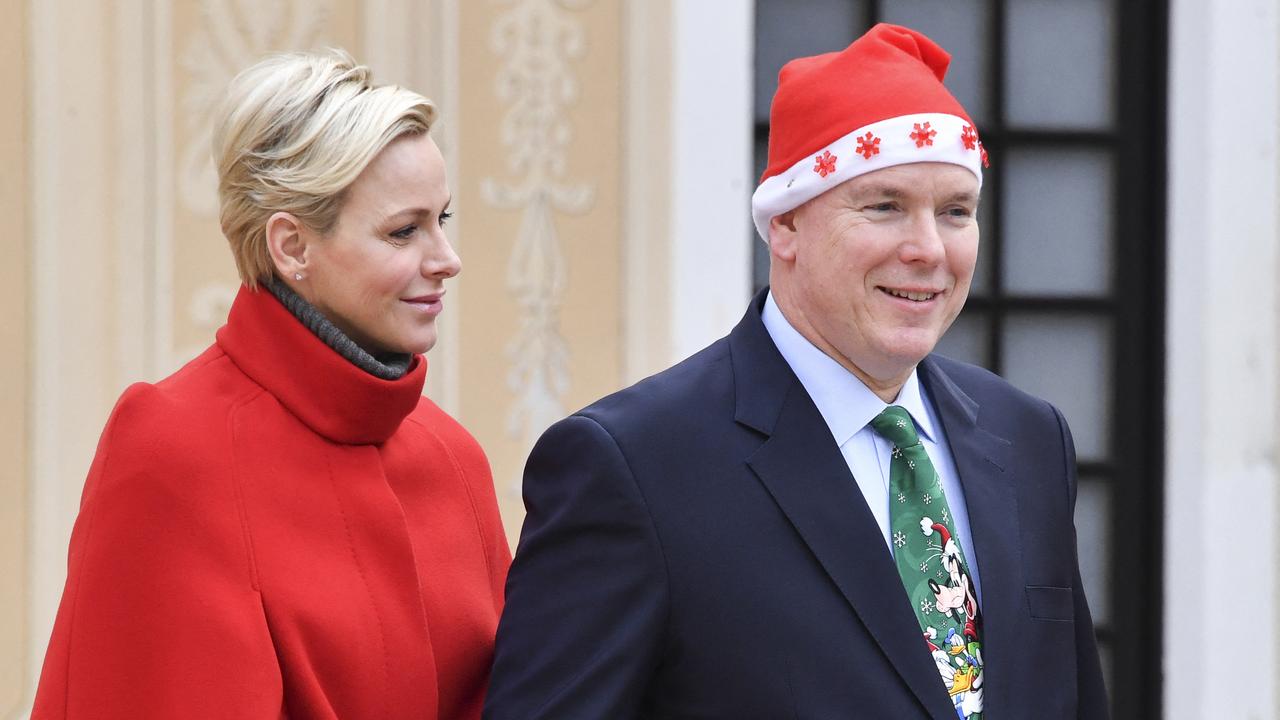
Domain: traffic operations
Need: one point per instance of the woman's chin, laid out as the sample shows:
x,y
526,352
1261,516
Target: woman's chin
x,y
418,346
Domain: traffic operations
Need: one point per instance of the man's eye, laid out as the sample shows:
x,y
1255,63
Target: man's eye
x,y
405,232
960,212
444,217
881,207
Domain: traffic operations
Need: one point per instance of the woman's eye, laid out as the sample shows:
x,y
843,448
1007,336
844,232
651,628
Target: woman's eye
x,y
405,232
444,217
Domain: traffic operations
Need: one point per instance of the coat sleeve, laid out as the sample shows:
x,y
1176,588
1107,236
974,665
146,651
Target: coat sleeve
x,y
159,616
587,596
497,549
1091,690
494,536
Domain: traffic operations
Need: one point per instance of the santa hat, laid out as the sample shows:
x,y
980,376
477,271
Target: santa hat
x,y
877,103
928,526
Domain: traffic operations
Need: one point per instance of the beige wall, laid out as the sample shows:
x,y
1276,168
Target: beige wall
x,y
14,342
118,273
541,246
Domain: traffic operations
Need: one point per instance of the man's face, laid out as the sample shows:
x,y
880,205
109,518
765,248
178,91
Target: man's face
x,y
874,270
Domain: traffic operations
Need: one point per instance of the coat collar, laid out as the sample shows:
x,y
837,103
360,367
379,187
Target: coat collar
x,y
324,390
803,470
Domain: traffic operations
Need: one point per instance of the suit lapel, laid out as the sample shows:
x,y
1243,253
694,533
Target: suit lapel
x,y
981,458
802,468
808,478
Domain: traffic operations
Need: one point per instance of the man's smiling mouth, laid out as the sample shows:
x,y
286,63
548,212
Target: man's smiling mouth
x,y
909,295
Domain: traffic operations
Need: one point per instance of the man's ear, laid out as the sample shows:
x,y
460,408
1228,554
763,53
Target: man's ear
x,y
782,236
287,243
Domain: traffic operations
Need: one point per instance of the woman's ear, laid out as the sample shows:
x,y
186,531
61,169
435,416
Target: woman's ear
x,y
287,243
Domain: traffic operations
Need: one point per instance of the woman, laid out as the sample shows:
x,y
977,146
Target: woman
x,y
285,526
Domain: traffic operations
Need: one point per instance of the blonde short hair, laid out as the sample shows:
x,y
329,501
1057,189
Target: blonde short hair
x,y
295,130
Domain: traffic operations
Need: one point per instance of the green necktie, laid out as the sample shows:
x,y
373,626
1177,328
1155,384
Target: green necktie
x,y
931,564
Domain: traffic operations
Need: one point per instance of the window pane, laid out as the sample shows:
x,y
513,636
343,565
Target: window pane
x,y
1093,538
1060,57
786,30
967,339
1057,215
960,27
1065,359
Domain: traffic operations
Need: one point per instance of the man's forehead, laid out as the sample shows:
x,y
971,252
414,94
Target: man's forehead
x,y
953,181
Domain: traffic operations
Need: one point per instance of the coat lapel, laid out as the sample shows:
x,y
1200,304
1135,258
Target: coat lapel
x,y
981,459
802,468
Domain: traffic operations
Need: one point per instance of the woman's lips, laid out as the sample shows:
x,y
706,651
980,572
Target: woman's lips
x,y
429,304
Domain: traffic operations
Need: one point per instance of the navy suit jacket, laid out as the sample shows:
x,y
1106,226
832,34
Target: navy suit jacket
x,y
695,547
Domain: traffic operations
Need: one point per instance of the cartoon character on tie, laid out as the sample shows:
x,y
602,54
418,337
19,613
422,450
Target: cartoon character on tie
x,y
957,598
960,663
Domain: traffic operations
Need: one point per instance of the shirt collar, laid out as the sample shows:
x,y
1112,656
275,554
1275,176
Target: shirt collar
x,y
911,397
845,403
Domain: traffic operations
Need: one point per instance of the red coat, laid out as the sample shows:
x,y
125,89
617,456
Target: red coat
x,y
273,532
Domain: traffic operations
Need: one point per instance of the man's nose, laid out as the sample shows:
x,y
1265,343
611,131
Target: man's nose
x,y
924,241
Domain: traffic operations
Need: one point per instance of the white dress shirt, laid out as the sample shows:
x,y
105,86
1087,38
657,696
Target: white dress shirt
x,y
848,406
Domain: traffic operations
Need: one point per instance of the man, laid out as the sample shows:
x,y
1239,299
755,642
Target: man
x,y
815,517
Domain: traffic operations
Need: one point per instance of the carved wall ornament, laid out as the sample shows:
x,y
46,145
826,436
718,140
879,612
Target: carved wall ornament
x,y
538,41
233,35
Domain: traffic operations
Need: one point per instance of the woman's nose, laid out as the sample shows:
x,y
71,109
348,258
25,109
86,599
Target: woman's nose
x,y
441,260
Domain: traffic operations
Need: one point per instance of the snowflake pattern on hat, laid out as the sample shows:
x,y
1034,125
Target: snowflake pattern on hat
x,y
923,135
868,145
825,163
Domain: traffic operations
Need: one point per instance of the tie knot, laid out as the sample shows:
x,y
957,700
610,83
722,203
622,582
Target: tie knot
x,y
895,425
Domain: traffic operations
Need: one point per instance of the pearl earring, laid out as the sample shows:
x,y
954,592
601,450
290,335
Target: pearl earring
x,y
297,276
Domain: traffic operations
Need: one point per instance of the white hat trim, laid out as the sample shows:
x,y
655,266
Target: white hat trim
x,y
924,137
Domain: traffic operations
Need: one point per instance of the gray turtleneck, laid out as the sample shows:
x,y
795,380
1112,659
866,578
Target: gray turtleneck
x,y
388,366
